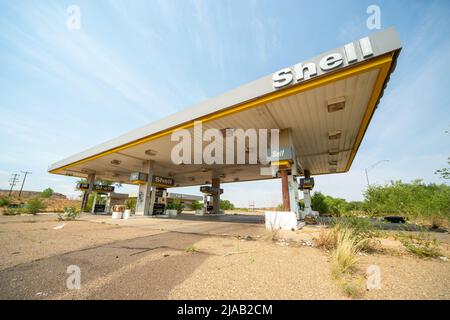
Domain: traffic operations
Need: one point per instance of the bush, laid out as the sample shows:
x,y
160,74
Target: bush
x,y
130,204
362,230
327,239
175,205
327,204
70,213
226,205
423,246
47,193
34,205
318,203
416,200
4,202
12,211
196,205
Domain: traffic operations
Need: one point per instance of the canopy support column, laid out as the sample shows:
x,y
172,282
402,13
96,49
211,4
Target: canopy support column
x,y
144,204
94,203
216,197
285,190
90,181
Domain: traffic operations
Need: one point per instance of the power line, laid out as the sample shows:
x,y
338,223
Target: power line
x,y
23,181
12,181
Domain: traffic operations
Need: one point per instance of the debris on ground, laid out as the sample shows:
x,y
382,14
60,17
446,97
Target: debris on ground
x,y
282,242
61,226
236,252
310,219
41,294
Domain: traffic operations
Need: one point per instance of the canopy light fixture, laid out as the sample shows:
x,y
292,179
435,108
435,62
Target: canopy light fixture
x,y
236,179
333,152
116,162
332,170
151,152
332,162
336,104
334,135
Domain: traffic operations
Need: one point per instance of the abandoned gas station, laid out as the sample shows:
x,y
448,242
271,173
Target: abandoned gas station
x,y
301,121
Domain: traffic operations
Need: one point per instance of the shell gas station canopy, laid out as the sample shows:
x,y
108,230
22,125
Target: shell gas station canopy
x,y
325,103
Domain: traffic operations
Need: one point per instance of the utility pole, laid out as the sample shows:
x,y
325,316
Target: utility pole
x,y
23,181
371,167
12,182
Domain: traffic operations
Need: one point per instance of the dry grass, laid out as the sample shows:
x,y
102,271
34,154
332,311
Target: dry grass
x,y
344,259
422,245
344,256
352,287
190,249
327,239
272,235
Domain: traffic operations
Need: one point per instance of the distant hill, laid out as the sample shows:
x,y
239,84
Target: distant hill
x,y
29,194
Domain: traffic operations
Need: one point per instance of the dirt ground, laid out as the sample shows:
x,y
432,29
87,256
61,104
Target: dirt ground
x,y
182,259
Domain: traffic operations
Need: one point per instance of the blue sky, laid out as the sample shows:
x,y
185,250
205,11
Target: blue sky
x,y
133,62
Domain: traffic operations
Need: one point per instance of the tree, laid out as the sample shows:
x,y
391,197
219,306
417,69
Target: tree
x,y
318,202
47,193
196,205
34,205
444,172
226,205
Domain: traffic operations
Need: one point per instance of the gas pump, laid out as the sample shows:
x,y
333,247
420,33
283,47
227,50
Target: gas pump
x,y
208,194
160,201
306,185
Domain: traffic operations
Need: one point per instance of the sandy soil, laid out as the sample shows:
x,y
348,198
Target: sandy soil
x,y
147,259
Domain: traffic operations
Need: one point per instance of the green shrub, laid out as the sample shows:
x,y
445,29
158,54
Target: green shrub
x,y
196,205
175,205
415,200
47,193
70,213
34,205
4,202
423,245
130,204
12,211
226,205
328,205
190,249
318,203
